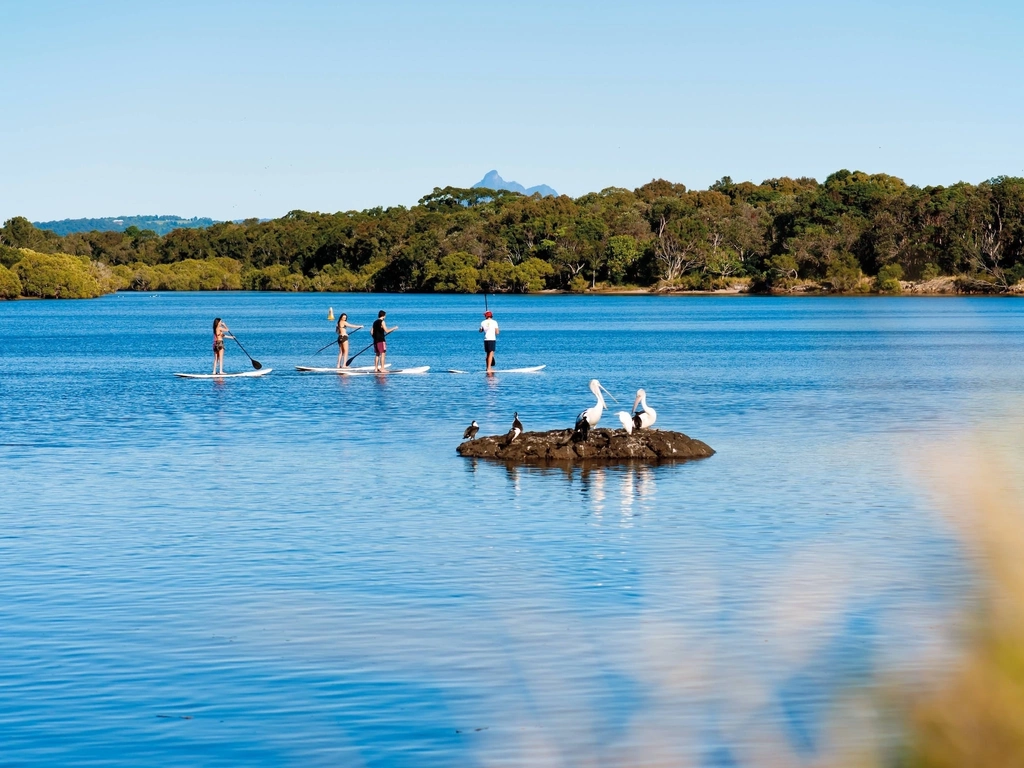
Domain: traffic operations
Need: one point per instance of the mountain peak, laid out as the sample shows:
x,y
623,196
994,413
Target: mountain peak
x,y
492,180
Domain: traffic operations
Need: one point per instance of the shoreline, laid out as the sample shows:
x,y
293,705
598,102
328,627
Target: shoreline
x,y
939,287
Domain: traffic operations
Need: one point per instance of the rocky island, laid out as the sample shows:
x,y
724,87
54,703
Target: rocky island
x,y
603,445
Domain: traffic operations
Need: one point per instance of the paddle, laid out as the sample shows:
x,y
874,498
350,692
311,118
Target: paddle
x,y
357,354
255,363
333,343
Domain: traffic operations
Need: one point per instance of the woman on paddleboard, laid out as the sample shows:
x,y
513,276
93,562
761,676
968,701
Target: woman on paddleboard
x,y
489,328
220,332
342,328
380,345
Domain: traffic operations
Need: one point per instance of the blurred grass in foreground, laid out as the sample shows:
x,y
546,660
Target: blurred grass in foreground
x,y
974,718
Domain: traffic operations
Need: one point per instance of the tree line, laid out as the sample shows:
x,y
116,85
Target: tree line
x,y
853,232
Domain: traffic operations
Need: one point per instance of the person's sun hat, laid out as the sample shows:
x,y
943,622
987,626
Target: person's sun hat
x,y
488,313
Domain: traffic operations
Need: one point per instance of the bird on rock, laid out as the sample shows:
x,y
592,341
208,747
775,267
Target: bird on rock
x,y
589,418
516,431
642,417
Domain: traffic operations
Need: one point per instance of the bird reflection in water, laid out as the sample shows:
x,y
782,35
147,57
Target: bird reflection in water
x,y
635,482
513,476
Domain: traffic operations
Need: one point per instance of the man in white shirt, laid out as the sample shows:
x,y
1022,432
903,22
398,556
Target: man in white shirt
x,y
489,328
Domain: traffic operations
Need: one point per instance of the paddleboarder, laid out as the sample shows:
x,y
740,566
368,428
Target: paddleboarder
x,y
342,327
489,328
220,332
380,345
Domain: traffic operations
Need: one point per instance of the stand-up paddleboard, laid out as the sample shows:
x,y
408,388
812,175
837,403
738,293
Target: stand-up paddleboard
x,y
388,372
529,369
355,369
246,375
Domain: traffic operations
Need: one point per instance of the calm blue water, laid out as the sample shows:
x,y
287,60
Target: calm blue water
x,y
299,570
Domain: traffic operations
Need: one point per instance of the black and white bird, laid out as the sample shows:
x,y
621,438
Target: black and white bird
x,y
516,431
589,418
471,431
643,416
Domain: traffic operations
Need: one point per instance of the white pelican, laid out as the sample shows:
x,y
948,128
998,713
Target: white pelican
x,y
640,419
516,431
471,431
589,418
627,421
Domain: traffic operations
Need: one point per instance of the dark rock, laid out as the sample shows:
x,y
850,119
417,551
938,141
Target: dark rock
x,y
603,445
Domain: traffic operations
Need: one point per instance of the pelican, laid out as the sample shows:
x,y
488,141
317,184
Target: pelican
x,y
640,419
471,431
645,417
516,431
589,418
627,421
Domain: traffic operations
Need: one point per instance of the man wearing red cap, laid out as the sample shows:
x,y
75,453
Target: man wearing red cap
x,y
489,328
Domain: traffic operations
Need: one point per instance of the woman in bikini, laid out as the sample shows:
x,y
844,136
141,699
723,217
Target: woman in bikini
x,y
220,332
342,329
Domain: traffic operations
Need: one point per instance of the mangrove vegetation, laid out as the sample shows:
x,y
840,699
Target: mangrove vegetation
x,y
854,232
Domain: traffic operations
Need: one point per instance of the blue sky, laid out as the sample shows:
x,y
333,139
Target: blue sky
x,y
255,108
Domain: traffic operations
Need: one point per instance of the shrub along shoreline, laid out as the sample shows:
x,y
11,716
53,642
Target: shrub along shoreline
x,y
853,233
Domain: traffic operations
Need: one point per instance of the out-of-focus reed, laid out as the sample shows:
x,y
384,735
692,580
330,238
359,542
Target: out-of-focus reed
x,y
974,718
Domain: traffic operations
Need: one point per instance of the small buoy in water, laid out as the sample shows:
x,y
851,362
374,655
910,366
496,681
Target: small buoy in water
x,y
330,313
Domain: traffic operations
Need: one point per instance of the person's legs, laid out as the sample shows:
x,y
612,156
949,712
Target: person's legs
x,y
489,349
341,354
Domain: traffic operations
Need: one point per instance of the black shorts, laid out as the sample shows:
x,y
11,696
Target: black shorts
x,y
489,346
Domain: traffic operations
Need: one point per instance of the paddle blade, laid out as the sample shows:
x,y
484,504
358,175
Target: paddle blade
x,y
256,364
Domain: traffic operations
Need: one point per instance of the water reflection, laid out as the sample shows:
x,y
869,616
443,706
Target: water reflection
x,y
628,489
376,596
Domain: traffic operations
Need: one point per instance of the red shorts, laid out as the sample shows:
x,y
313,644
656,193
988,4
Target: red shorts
x,y
380,347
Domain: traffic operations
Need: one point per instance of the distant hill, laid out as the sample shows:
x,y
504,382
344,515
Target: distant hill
x,y
493,180
159,224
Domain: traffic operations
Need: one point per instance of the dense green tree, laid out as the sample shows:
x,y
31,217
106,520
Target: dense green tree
x,y
10,284
843,273
18,232
621,254
454,273
9,256
888,279
57,276
775,234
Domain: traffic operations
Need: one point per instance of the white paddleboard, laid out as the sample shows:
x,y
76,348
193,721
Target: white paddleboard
x,y
245,375
529,369
351,369
389,372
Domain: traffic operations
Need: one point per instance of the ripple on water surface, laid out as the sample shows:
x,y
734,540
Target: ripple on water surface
x,y
299,570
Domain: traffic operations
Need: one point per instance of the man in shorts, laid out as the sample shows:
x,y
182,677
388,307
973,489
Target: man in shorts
x,y
380,345
489,328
